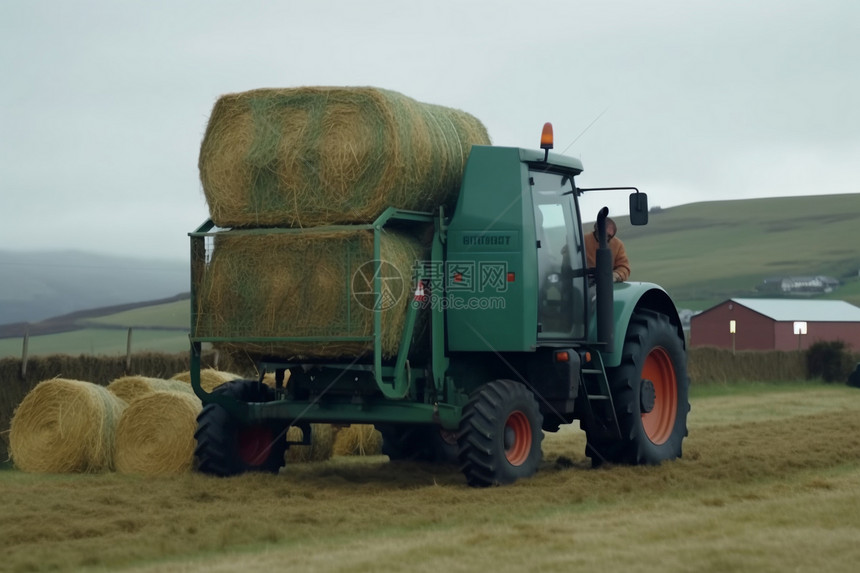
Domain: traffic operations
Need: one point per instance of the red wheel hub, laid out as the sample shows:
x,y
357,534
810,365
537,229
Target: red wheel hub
x,y
518,438
660,420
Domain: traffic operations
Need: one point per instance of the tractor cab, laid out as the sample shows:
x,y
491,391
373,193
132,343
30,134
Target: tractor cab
x,y
568,291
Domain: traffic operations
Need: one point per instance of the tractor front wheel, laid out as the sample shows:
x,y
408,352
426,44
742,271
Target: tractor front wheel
x,y
650,393
500,434
226,446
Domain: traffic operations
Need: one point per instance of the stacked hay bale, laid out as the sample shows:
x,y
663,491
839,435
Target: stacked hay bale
x,y
65,426
304,285
311,157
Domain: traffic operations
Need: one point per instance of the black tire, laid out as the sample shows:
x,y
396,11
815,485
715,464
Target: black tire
x,y
500,434
650,391
420,443
226,446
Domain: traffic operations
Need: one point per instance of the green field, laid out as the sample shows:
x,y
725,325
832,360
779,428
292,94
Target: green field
x,y
156,328
769,481
98,341
704,253
170,315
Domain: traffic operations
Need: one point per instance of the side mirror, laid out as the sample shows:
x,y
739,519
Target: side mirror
x,y
638,208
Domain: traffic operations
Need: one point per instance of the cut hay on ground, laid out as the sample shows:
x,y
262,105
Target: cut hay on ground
x,y
130,388
155,435
316,156
305,284
358,440
64,426
320,449
209,378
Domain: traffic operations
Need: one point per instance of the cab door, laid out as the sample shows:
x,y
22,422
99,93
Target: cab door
x,y
561,269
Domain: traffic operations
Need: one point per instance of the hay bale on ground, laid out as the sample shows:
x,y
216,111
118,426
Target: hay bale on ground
x,y
155,435
65,426
316,156
305,284
320,449
209,378
130,388
358,440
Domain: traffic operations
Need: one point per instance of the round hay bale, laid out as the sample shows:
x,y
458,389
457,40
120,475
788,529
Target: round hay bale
x,y
320,449
130,388
313,156
305,284
358,440
155,435
209,378
65,426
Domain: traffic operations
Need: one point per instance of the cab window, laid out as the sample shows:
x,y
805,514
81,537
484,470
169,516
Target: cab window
x,y
561,276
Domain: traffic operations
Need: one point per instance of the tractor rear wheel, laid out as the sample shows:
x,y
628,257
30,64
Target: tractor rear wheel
x,y
226,446
500,434
650,391
418,443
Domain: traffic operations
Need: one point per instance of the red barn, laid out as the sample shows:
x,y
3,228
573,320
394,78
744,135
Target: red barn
x,y
776,324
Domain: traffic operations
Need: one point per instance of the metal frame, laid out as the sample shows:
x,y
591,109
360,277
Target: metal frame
x,y
392,379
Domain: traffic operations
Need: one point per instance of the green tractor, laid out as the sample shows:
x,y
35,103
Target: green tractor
x,y
506,334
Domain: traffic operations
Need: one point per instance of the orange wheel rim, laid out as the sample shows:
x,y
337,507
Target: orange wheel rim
x,y
255,444
518,438
660,421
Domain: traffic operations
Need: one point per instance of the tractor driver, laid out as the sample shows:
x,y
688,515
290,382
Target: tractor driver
x,y
620,262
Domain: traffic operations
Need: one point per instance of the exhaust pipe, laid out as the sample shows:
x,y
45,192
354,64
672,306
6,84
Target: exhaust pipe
x,y
603,283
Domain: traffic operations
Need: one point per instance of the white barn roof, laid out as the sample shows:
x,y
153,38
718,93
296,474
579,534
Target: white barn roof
x,y
781,309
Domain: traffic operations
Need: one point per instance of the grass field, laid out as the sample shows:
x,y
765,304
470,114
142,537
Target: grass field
x,y
769,481
156,328
169,315
99,341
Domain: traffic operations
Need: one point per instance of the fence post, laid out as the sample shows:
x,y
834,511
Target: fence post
x,y
128,352
24,353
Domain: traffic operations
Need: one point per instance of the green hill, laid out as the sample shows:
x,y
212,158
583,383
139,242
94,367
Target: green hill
x,y
704,253
167,315
38,285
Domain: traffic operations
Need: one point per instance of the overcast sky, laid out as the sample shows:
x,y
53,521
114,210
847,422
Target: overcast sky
x,y
103,103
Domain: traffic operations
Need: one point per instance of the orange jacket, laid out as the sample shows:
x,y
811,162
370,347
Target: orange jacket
x,y
620,262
